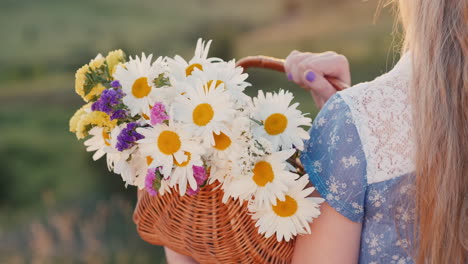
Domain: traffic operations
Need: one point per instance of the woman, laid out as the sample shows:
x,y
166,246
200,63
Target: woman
x,y
391,156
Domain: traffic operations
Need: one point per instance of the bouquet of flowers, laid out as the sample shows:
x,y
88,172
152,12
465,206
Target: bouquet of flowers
x,y
172,125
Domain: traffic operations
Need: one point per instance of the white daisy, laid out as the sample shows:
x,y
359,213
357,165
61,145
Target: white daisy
x,y
117,161
140,166
104,144
267,181
183,171
233,141
181,70
226,149
113,155
226,75
204,113
165,188
132,170
280,122
288,217
136,77
219,170
166,145
128,163
99,142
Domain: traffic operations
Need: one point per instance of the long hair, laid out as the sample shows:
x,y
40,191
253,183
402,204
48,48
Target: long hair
x,y
436,33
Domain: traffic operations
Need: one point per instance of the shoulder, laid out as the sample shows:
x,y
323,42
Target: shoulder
x,y
381,111
333,126
334,111
334,160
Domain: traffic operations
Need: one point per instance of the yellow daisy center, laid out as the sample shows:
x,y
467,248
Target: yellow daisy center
x,y
285,208
145,116
276,124
106,137
149,160
185,163
222,141
168,142
263,173
202,114
140,87
191,68
209,83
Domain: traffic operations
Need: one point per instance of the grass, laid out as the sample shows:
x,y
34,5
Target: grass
x,y
55,200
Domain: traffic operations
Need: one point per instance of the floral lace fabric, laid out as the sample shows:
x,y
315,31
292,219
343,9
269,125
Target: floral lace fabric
x,y
359,160
382,114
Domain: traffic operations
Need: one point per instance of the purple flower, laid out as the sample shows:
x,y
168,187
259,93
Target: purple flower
x,y
111,96
96,106
128,136
200,175
108,100
152,182
115,84
119,114
158,114
191,191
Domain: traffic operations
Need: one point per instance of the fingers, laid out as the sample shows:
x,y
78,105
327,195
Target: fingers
x,y
327,63
309,70
295,58
332,65
318,85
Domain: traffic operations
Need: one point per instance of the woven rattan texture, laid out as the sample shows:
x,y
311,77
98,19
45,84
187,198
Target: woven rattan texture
x,y
202,227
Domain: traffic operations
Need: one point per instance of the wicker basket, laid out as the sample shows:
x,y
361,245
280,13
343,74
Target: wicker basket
x,y
202,227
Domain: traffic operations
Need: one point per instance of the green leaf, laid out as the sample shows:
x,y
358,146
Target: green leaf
x,y
97,76
87,129
256,121
161,81
88,86
157,183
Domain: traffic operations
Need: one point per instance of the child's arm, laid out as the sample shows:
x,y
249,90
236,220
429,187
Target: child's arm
x,y
334,239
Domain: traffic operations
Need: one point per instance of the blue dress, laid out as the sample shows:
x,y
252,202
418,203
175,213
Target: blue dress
x,y
336,157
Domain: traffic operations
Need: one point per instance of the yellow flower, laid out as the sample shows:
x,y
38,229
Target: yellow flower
x,y
97,62
95,69
82,121
95,91
77,117
113,59
80,79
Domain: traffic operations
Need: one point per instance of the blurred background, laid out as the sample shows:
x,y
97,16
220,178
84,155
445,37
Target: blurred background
x,y
56,204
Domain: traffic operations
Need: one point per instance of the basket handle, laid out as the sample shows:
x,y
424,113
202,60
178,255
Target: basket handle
x,y
276,64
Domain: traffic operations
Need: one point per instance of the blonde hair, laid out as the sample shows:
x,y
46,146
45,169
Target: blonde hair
x,y
436,33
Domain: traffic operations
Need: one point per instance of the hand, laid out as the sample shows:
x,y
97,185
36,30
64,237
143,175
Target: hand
x,y
308,71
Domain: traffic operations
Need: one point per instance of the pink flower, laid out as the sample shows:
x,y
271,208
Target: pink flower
x,y
151,182
158,114
200,175
190,191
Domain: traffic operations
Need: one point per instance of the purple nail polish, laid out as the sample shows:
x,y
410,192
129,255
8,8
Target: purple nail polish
x,y
290,76
310,76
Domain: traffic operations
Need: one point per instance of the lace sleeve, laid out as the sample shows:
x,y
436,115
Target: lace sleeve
x,y
335,161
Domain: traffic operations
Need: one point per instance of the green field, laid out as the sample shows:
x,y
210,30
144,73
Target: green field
x,y
56,204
